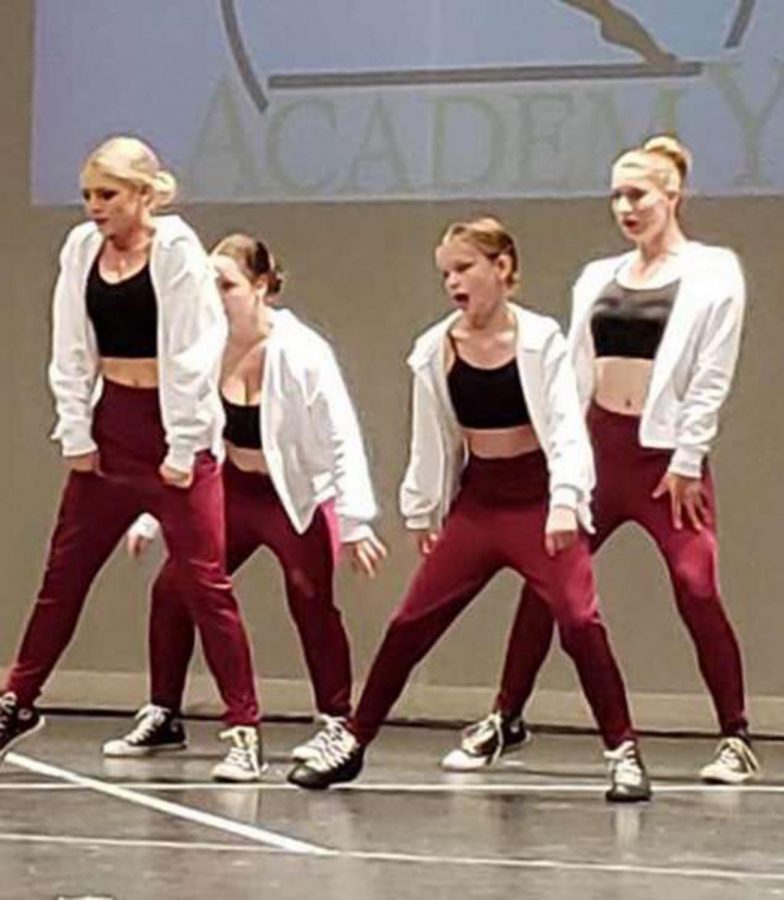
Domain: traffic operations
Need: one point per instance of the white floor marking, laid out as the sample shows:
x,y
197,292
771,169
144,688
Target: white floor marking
x,y
576,787
564,865
70,840
250,832
409,858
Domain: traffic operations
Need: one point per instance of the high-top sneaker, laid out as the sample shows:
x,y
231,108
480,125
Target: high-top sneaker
x,y
733,763
157,730
312,748
485,742
339,759
16,722
629,782
244,761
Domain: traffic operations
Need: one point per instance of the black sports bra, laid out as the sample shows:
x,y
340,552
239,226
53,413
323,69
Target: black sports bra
x,y
486,398
124,314
243,424
630,322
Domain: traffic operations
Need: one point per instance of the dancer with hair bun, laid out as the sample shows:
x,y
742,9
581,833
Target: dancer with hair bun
x,y
654,339
500,475
137,323
296,480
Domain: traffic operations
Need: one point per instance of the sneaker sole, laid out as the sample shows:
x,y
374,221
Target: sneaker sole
x,y
732,781
629,798
484,762
138,752
226,779
41,723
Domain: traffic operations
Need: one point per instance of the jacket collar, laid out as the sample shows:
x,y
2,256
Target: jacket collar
x,y
168,230
532,330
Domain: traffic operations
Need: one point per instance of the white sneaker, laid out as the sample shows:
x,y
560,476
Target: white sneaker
x,y
243,762
313,748
734,763
157,730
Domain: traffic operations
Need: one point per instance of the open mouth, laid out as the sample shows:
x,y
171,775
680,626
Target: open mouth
x,y
460,299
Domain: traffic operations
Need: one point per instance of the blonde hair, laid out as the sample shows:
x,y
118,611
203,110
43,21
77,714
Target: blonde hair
x,y
489,236
661,158
254,259
130,160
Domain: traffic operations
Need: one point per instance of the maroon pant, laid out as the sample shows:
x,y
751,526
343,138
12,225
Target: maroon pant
x,y
626,477
498,520
255,517
95,512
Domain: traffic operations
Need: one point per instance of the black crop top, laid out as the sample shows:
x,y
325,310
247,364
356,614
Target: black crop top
x,y
243,425
486,398
630,322
124,315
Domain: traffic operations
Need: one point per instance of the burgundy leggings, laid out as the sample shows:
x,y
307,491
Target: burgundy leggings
x,y
255,517
626,476
95,512
498,520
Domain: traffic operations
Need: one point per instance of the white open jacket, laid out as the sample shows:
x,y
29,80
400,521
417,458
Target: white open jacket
x,y
190,339
438,454
309,431
695,362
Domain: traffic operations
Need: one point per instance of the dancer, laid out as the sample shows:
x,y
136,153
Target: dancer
x,y
654,337
500,475
296,480
137,319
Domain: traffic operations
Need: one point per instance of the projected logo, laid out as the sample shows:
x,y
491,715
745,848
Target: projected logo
x,y
353,41
431,99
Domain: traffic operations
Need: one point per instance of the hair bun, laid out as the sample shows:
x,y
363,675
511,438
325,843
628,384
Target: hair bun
x,y
671,147
164,184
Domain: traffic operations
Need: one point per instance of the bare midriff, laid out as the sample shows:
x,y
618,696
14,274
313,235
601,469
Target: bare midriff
x,y
137,373
501,443
621,384
246,459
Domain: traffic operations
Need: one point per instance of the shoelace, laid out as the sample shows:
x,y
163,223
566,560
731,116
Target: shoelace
x,y
8,704
337,749
735,754
624,766
491,726
149,718
322,736
243,751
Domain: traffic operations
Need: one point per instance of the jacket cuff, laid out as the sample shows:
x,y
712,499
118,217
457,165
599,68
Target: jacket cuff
x,y
353,530
76,445
146,526
418,523
180,458
565,495
686,461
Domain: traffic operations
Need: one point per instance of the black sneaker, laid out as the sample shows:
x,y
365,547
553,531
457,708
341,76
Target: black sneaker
x,y
157,730
340,757
629,782
484,742
16,722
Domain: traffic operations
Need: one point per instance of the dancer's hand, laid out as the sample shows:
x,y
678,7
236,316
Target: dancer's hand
x,y
367,555
685,494
141,534
137,544
425,540
560,530
176,477
85,462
